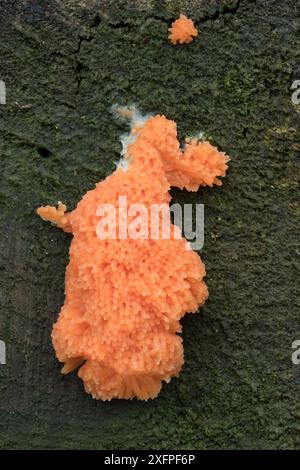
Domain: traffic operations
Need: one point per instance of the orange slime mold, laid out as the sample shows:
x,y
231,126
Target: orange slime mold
x,y
182,31
125,297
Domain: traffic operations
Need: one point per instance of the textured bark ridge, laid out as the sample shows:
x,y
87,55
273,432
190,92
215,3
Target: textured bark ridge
x,y
64,64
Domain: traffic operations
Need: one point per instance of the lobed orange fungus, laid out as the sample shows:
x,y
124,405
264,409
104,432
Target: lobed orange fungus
x,y
124,297
182,31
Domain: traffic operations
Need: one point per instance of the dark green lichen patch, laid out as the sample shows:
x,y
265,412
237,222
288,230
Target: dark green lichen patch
x,y
71,61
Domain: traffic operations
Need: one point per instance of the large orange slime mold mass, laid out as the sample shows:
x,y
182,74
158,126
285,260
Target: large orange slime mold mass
x,y
125,297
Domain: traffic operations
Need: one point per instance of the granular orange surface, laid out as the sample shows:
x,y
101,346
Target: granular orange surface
x,y
125,297
182,30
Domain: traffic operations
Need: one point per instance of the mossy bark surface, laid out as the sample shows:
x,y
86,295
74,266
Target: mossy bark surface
x,y
70,61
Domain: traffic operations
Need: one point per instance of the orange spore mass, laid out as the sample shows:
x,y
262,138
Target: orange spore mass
x,y
124,297
182,31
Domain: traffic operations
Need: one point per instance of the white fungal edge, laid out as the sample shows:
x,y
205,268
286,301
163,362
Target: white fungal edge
x,y
136,119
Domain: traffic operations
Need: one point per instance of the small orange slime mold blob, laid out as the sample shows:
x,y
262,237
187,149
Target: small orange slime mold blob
x,y
182,31
125,297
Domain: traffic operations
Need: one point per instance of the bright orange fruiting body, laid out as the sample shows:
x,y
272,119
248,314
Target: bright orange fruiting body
x,y
124,297
182,31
